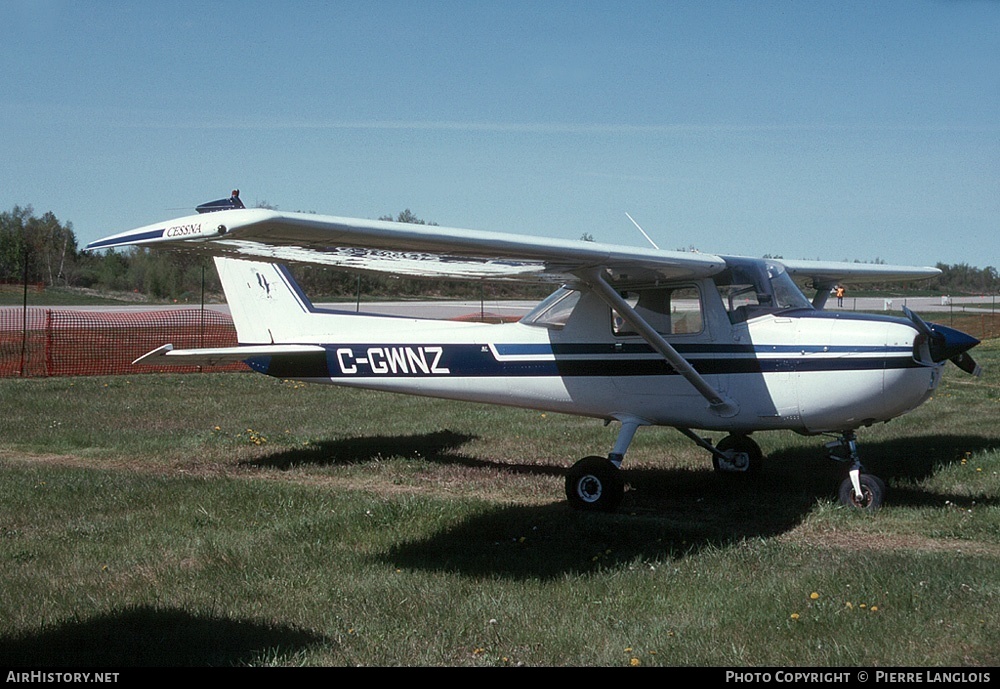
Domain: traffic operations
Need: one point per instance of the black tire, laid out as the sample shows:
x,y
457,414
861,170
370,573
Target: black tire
x,y
595,484
872,493
739,443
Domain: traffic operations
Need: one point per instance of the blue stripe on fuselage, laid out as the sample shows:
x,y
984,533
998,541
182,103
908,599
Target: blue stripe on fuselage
x,y
586,360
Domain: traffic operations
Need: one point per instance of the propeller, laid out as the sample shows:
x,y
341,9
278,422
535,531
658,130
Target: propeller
x,y
947,343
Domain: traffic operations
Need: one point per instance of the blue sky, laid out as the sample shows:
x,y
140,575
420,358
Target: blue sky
x,y
832,130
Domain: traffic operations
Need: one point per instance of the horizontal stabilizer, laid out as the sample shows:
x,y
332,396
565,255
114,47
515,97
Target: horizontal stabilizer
x,y
219,356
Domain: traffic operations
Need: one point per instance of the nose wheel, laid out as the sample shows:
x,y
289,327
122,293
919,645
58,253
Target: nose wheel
x,y
868,496
858,491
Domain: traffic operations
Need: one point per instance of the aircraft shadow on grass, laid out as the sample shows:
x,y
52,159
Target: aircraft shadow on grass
x,y
432,446
670,511
673,512
438,447
156,637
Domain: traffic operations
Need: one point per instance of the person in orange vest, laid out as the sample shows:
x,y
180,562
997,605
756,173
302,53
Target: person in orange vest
x,y
840,295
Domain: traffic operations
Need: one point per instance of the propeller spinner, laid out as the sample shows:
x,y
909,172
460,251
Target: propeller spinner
x,y
947,343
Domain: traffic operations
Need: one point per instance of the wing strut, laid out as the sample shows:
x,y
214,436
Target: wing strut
x,y
717,402
822,292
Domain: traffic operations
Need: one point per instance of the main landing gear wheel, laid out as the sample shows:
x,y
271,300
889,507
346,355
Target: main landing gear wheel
x,y
872,493
595,484
747,456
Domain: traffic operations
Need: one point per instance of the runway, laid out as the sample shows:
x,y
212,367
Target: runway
x,y
981,304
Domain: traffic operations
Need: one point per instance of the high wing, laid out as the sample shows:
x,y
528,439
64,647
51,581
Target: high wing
x,y
405,249
824,275
410,250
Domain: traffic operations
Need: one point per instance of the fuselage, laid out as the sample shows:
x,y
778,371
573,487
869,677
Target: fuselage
x,y
801,369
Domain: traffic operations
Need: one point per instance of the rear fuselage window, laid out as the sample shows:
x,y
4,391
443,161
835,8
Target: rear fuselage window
x,y
669,310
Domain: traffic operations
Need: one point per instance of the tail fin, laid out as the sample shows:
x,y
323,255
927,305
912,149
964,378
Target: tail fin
x,y
266,303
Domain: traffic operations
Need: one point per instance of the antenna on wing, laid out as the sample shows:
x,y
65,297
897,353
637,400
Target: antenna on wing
x,y
642,230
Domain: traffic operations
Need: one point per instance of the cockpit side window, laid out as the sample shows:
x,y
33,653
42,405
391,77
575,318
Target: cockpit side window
x,y
670,310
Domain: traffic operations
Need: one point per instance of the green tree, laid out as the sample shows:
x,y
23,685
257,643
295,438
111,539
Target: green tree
x,y
14,243
406,216
43,245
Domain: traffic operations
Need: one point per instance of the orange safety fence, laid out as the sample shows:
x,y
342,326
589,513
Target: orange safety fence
x,y
50,342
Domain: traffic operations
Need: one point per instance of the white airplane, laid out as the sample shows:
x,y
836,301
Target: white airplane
x,y
638,336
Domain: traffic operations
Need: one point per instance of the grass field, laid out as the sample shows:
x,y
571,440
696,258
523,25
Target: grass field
x,y
232,519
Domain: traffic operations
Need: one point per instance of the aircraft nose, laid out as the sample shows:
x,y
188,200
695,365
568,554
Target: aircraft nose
x,y
954,345
950,343
946,344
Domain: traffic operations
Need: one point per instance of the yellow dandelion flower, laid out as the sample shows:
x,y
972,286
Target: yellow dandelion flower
x,y
874,608
795,615
634,662
849,605
813,595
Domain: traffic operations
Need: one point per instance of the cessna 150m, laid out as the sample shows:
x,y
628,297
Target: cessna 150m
x,y
633,335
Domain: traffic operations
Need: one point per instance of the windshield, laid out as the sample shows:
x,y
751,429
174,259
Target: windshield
x,y
751,288
554,310
787,294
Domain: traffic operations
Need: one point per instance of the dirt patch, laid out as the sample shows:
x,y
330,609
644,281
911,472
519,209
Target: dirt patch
x,y
861,540
450,482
